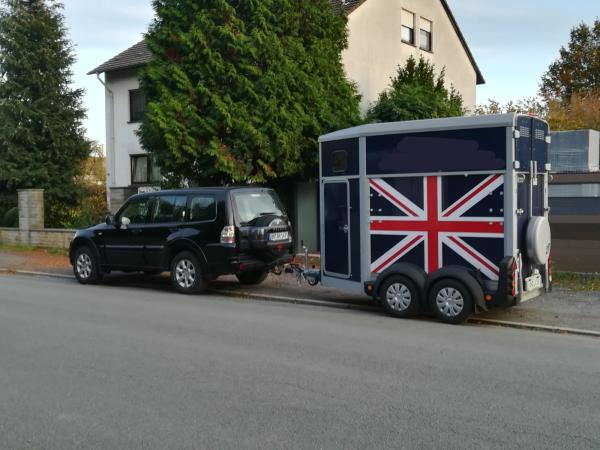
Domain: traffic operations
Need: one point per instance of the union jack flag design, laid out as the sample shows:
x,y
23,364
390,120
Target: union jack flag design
x,y
435,221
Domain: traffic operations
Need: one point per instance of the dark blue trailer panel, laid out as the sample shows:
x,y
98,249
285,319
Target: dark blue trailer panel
x,y
436,196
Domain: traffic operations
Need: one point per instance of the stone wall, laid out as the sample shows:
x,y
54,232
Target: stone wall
x,y
31,229
47,238
31,209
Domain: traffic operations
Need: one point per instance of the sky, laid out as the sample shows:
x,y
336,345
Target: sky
x,y
513,41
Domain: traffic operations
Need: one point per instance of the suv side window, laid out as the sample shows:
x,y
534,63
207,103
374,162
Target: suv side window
x,y
169,209
136,211
203,208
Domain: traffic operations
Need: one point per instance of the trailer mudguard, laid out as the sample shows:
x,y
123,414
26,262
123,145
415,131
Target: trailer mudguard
x,y
462,275
412,271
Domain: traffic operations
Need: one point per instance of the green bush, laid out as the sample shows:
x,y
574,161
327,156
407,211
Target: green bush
x,y
11,218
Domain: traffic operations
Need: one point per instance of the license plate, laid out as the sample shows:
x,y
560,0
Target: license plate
x,y
534,282
279,236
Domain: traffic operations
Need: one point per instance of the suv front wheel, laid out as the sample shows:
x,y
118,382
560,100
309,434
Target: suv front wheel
x,y
186,274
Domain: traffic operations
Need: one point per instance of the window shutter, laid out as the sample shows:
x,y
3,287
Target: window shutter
x,y
408,19
426,25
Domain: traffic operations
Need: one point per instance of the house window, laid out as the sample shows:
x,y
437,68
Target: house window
x,y
143,170
137,105
425,37
408,27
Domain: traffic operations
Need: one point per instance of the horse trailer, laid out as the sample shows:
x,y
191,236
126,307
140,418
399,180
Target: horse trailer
x,y
448,216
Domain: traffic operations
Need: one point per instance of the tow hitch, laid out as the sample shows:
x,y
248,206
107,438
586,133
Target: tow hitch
x,y
302,272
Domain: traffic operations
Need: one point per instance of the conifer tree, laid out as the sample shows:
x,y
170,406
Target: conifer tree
x,y
416,93
42,141
240,90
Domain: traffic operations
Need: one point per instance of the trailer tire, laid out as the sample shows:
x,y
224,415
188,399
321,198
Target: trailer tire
x,y
399,296
451,301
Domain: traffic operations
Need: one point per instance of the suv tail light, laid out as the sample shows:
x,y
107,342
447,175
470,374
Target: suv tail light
x,y
550,268
228,235
514,269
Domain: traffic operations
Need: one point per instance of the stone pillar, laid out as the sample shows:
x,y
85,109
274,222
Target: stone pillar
x,y
31,209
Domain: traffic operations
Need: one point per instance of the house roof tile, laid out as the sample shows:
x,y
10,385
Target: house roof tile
x,y
139,54
135,56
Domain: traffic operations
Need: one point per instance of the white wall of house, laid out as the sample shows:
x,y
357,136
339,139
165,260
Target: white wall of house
x,y
376,49
125,142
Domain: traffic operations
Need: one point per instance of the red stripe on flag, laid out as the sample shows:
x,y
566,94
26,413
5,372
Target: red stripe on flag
x,y
437,227
398,254
472,194
474,255
433,256
393,199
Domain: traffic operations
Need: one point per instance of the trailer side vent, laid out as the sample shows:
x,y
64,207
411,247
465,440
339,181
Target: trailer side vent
x,y
540,135
524,132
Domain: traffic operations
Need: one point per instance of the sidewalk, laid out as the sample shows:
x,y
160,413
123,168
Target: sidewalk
x,y
561,308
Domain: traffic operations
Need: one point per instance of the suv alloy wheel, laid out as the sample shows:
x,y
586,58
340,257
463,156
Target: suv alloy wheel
x,y
186,274
86,266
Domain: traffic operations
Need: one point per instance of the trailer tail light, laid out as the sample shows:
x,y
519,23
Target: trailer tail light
x,y
550,268
514,272
228,235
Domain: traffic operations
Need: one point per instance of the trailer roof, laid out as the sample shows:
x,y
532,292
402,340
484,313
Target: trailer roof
x,y
451,123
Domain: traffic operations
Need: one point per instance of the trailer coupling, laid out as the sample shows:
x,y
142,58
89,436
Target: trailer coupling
x,y
302,272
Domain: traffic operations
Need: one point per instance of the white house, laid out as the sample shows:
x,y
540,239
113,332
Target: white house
x,y
382,35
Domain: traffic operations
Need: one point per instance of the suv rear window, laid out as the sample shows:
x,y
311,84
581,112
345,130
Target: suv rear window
x,y
203,208
253,204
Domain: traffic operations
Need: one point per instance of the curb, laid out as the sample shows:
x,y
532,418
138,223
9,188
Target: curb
x,y
293,300
349,306
536,327
38,274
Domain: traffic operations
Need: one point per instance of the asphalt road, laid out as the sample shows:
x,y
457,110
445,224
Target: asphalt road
x,y
125,367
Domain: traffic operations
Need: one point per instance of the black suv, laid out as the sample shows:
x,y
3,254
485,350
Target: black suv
x,y
196,234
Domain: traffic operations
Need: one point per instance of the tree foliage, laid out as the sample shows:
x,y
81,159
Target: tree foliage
x,y
416,93
577,70
42,141
531,105
239,91
581,112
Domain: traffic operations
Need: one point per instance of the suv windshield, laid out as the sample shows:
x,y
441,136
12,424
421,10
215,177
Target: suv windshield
x,y
254,204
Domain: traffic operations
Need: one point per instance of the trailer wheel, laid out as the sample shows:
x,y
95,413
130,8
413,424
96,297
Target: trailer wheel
x,y
399,296
451,301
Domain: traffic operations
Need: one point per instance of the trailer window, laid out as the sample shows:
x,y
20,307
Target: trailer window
x,y
339,161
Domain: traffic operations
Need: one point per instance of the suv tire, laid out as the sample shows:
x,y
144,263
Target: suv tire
x,y
86,267
186,274
252,278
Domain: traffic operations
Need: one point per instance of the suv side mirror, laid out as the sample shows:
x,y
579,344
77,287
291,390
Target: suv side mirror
x,y
110,219
125,221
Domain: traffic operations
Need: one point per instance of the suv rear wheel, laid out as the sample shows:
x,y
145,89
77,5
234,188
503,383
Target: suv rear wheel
x,y
253,277
186,274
